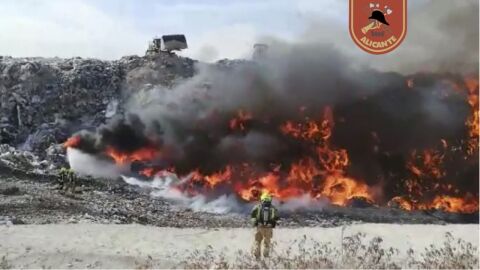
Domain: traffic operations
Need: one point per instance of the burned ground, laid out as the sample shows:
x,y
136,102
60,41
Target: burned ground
x,y
303,122
37,200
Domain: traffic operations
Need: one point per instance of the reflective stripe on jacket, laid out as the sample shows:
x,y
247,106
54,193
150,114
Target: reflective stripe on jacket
x,y
268,218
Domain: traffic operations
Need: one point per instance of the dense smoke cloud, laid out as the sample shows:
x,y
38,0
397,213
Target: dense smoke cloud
x,y
442,36
85,164
190,123
378,117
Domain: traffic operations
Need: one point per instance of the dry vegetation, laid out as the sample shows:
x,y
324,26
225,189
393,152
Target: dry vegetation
x,y
355,252
4,263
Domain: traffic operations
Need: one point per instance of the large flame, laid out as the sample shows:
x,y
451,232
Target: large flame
x,y
72,142
467,204
239,122
142,154
473,120
322,173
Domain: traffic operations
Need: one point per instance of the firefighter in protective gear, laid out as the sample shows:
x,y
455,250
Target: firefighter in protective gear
x,y
264,216
66,179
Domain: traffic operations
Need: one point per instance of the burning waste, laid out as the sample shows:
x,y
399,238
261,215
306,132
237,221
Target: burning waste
x,y
303,124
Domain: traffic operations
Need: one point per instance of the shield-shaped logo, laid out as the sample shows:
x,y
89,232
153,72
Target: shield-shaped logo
x,y
378,26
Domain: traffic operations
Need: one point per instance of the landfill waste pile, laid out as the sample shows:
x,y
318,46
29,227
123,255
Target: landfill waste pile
x,y
151,138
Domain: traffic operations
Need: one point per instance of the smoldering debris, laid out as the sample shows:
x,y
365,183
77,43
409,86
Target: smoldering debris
x,y
225,120
308,119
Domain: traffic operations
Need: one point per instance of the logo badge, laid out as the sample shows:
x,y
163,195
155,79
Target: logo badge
x,y
378,26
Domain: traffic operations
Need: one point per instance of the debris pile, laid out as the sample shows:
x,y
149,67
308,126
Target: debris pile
x,y
45,100
22,160
290,123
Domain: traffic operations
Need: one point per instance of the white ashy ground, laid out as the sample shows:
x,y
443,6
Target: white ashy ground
x,y
128,246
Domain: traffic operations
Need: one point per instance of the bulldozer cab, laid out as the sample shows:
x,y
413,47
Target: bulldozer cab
x,y
157,43
173,43
167,43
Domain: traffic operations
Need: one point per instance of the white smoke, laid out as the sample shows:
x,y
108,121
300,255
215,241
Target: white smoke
x,y
164,187
304,202
89,165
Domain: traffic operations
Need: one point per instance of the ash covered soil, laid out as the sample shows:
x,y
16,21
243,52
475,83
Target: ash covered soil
x,y
35,199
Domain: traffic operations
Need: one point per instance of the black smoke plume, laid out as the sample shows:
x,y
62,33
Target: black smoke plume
x,y
378,118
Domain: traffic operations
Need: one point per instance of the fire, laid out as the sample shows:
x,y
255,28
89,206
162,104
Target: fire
x,y
323,170
321,175
440,202
454,204
142,154
339,190
428,163
401,203
72,142
428,173
410,83
428,176
472,123
469,87
218,178
303,172
148,172
240,121
310,129
303,178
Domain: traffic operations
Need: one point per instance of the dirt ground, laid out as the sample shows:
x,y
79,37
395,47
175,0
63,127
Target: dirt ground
x,y
136,246
35,199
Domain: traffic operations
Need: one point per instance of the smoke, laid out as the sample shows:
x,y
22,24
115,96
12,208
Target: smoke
x,y
229,113
164,187
304,202
88,165
442,36
375,114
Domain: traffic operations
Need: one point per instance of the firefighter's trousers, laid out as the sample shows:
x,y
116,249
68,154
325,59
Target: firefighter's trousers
x,y
263,234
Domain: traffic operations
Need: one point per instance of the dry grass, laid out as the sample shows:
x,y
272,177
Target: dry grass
x,y
452,254
4,264
355,252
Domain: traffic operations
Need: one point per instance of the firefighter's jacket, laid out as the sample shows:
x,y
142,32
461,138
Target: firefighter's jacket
x,y
66,175
264,214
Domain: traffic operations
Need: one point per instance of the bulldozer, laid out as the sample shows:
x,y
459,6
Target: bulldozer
x,y
167,43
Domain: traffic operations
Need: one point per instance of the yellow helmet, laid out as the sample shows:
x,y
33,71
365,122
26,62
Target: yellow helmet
x,y
266,197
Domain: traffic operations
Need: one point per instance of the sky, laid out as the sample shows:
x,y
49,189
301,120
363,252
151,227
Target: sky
x,y
110,29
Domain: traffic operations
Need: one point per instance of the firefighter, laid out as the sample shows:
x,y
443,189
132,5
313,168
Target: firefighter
x,y
66,179
264,216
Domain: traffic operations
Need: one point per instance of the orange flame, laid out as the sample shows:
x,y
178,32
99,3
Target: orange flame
x,y
454,204
401,203
310,129
322,174
319,177
339,190
410,83
427,163
72,142
240,121
142,154
440,202
472,123
148,172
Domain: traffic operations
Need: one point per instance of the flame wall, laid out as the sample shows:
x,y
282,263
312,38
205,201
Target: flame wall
x,y
306,121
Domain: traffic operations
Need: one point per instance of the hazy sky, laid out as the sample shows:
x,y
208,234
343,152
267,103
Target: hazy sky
x,y
109,29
